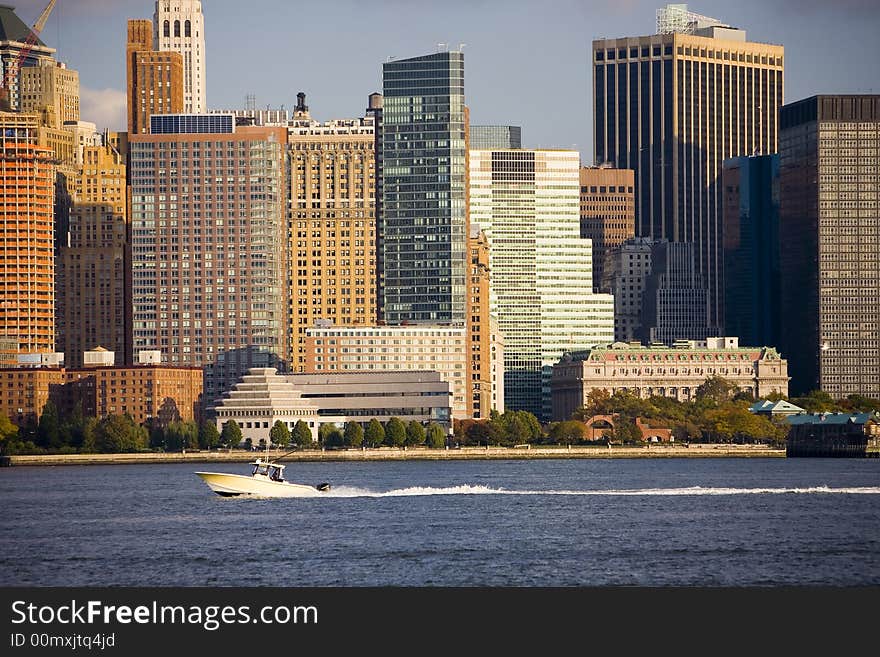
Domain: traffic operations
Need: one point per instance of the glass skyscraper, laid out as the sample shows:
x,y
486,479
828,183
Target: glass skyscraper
x,y
495,137
672,107
422,230
528,203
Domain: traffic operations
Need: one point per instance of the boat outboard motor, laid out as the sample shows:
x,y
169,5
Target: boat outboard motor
x,y
323,486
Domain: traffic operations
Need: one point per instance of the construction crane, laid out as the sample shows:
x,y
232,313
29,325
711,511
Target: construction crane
x,y
14,66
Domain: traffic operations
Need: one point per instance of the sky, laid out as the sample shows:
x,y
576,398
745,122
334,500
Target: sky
x,y
527,62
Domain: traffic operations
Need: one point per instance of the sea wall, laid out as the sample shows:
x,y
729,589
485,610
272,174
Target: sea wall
x,y
411,453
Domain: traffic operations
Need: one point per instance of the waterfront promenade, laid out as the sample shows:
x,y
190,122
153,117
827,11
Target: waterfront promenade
x,y
411,453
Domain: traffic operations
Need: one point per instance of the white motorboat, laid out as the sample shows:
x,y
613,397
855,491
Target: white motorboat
x,y
266,480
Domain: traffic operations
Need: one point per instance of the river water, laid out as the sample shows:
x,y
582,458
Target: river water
x,y
583,522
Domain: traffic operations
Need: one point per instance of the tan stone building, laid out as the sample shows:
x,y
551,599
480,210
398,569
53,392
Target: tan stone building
x,y
608,214
27,233
155,79
674,372
333,225
51,90
94,260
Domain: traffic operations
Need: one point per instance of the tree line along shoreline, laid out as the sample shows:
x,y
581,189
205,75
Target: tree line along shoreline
x,y
716,414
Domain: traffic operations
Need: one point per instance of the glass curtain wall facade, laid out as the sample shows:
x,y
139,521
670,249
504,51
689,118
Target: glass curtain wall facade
x,y
423,225
528,203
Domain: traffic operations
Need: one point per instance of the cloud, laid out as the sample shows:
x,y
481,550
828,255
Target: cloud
x,y
105,108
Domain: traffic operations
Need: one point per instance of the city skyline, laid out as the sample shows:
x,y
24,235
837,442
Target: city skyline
x,y
550,96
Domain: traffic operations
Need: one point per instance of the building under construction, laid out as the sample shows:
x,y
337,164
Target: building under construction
x,y
27,262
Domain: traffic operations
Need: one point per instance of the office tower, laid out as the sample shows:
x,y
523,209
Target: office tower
x,y
751,249
209,245
626,272
424,223
674,299
94,267
155,79
13,35
527,201
674,105
333,225
492,137
829,227
608,216
51,90
179,26
27,249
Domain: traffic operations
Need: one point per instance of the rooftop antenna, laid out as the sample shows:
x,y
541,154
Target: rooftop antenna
x,y
442,46
460,46
250,102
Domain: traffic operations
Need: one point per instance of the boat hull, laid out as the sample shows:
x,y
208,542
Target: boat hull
x,y
231,485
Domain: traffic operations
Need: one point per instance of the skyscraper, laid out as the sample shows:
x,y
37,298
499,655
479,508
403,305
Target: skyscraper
x,y
333,225
607,214
751,249
179,25
829,226
94,261
27,249
528,201
495,137
209,245
155,79
672,106
424,225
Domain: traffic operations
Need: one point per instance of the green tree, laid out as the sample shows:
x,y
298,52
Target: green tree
x,y
415,433
8,433
568,432
302,434
817,401
49,427
279,434
375,433
435,436
119,433
625,431
330,435
324,431
181,436
354,434
598,402
230,435
715,388
209,437
486,432
395,432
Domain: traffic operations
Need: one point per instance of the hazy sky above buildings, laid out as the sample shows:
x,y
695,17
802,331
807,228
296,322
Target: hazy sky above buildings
x,y
526,62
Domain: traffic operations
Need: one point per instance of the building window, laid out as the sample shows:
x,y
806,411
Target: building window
x,y
177,28
187,28
167,29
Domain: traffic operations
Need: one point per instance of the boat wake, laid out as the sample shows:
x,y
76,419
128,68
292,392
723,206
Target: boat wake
x,y
466,489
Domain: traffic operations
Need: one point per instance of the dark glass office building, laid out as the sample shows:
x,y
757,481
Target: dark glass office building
x,y
829,222
495,137
751,249
423,224
673,107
